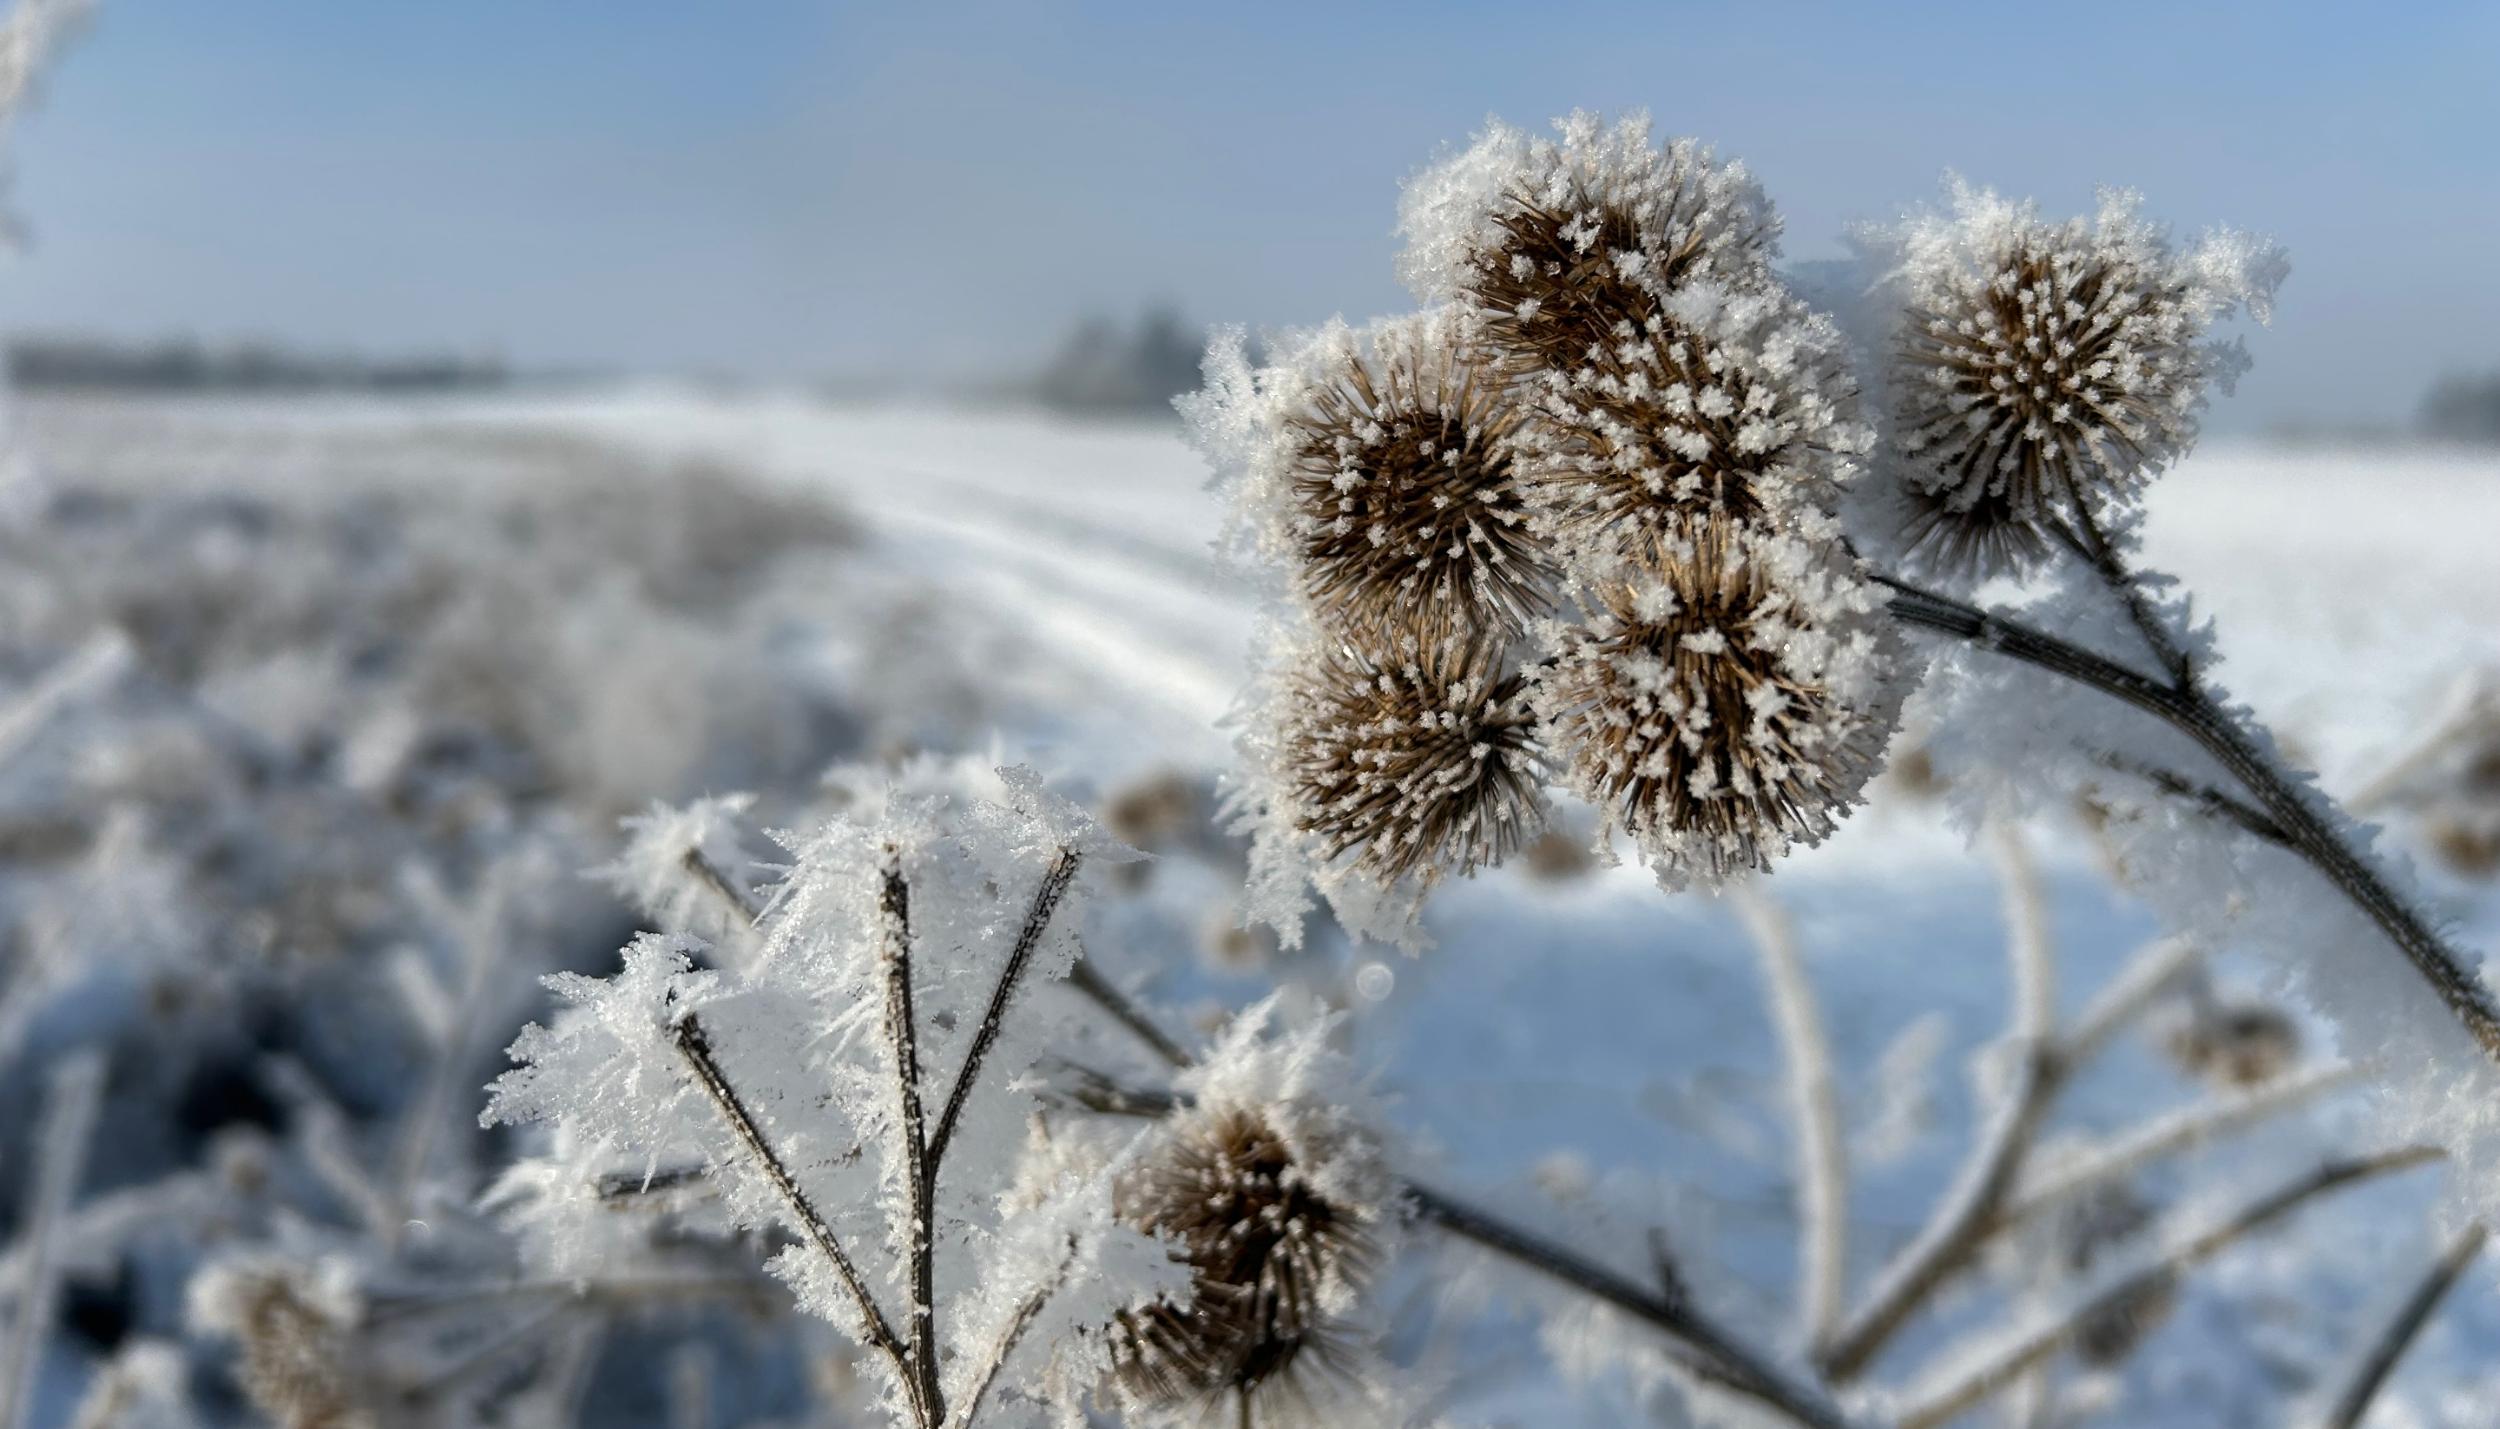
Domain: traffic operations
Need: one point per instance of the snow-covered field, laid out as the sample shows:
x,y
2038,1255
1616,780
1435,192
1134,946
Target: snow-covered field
x,y
1584,1052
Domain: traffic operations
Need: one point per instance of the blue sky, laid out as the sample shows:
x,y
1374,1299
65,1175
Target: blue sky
x,y
770,187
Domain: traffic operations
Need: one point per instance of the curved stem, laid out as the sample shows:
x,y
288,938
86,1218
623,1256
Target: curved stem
x,y
2305,827
2398,1335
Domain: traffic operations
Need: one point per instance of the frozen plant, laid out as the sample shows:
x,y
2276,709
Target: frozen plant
x,y
859,1085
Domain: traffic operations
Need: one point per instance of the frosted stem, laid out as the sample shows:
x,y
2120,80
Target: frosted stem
x,y
2001,1365
1046,898
2196,1126
693,1045
2397,1336
1960,1222
2302,817
1707,1350
1011,1335
69,1115
1822,1157
912,1129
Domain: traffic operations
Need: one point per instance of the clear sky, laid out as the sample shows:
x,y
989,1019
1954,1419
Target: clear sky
x,y
782,188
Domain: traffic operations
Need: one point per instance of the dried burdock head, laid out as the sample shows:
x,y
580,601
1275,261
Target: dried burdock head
x,y
2235,1044
1726,706
296,1335
1740,405
1409,762
2044,372
1570,246
1241,1194
2102,1220
1405,509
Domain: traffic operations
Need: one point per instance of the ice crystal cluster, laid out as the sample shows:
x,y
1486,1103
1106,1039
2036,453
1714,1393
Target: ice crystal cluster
x,y
1589,543
2044,372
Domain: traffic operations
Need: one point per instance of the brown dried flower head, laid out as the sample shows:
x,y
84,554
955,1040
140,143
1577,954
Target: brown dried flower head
x,y
2045,372
1405,507
1269,1251
300,1365
2235,1044
1739,405
1725,707
1412,761
1570,246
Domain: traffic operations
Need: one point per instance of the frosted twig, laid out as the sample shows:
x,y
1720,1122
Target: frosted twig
x,y
2397,1335
2194,1126
716,878
2152,971
912,1130
1010,1335
1822,1156
1710,1351
69,1116
1046,898
696,1048
2204,798
1086,979
2190,709
1955,1229
87,668
1997,1366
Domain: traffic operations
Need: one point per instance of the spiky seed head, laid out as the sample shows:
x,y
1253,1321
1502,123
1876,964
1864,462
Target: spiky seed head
x,y
1725,707
1570,245
1273,1259
1736,405
1405,506
2044,372
1410,761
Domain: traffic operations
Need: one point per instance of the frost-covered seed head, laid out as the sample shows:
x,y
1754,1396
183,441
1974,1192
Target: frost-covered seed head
x,y
2045,371
1725,707
1405,506
1568,245
1737,405
1415,761
297,1360
1269,1252
2100,1221
2236,1044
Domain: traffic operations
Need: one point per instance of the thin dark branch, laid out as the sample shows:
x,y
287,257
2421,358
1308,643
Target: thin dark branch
x,y
2398,1334
1055,880
1971,1387
2193,713
2088,541
696,1048
1706,1349
1098,989
622,1186
749,907
2204,798
902,1033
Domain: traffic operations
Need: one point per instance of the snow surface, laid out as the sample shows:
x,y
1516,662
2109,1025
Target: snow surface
x,y
1596,1055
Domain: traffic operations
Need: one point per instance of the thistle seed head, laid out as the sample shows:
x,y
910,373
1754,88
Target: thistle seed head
x,y
1724,707
1568,246
2044,372
1404,504
1412,761
1273,1259
1737,406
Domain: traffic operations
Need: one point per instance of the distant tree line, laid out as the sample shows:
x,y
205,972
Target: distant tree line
x,y
1106,369
188,364
2464,409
